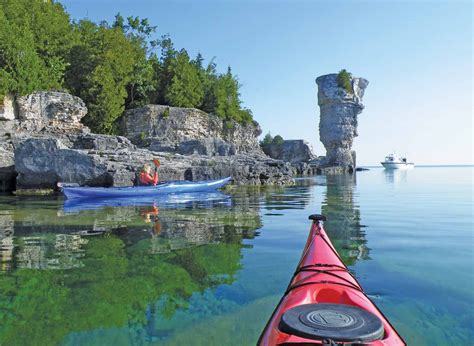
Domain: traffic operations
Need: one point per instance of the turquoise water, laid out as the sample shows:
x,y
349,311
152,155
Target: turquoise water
x,y
211,273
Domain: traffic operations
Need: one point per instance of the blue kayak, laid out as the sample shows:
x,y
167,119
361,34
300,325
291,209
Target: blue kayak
x,y
183,186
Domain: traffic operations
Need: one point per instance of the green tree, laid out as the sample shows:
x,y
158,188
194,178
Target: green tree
x,y
185,89
141,86
142,83
267,140
163,69
209,77
278,140
33,46
107,67
344,80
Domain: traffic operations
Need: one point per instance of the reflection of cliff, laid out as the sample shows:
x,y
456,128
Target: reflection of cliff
x,y
6,240
112,289
179,230
394,176
343,218
46,251
115,276
284,198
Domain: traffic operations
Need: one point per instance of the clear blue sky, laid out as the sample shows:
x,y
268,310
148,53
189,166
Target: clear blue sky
x,y
417,57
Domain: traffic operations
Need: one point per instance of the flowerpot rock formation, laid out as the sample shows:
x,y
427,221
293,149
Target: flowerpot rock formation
x,y
338,120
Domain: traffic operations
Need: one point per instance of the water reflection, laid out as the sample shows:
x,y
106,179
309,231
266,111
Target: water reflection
x,y
343,218
284,198
394,176
138,268
6,241
182,200
103,266
154,274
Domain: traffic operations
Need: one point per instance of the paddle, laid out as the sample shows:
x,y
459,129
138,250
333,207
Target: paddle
x,y
157,163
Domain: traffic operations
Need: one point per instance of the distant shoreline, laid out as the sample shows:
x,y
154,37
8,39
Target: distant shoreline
x,y
423,166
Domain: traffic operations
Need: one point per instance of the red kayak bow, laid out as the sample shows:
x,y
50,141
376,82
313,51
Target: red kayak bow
x,y
325,304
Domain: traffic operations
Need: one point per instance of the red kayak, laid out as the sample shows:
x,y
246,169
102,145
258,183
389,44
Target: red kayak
x,y
325,304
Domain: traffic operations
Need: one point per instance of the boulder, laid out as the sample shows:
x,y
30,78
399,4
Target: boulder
x,y
293,151
52,109
6,155
42,163
338,118
7,109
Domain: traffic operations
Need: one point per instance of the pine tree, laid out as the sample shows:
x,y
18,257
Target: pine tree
x,y
185,89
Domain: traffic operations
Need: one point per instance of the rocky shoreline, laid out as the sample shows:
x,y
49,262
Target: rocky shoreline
x,y
43,142
46,143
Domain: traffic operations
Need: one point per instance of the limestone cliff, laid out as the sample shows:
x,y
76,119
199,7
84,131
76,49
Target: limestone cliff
x,y
338,118
188,130
44,143
38,114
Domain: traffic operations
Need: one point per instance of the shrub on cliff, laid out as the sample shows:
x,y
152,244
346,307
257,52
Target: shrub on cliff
x,y
278,140
267,140
272,145
344,80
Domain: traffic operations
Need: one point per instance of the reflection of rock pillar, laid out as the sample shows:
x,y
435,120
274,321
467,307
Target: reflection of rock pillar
x,y
338,120
343,218
6,241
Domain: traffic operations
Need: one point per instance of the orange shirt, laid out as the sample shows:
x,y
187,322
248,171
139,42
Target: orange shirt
x,y
147,179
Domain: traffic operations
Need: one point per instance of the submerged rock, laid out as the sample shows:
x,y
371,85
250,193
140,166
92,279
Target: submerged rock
x,y
338,120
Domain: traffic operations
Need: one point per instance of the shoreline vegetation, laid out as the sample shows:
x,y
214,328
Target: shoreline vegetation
x,y
110,66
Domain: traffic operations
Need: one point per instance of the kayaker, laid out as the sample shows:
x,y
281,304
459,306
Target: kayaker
x,y
145,177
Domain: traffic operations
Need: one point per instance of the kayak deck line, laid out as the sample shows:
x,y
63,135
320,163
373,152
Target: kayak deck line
x,y
324,304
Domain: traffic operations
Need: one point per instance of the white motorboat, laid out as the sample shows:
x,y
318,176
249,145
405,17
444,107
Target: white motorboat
x,y
395,162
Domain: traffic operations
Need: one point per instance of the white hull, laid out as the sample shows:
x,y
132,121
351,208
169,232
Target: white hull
x,y
398,165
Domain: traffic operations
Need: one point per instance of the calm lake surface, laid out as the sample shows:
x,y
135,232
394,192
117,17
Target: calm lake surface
x,y
211,273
